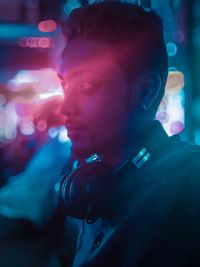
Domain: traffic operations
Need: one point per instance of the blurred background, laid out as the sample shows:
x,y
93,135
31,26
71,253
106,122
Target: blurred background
x,y
30,45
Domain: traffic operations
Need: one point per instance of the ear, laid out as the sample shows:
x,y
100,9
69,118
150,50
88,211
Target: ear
x,y
151,86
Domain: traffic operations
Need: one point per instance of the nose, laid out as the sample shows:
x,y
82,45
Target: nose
x,y
70,106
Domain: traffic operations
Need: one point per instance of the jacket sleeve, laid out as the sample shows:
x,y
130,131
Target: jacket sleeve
x,y
177,240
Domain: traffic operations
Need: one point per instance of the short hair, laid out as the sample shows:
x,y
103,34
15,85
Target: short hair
x,y
119,23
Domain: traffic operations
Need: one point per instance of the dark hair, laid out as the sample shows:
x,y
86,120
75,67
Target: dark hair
x,y
119,23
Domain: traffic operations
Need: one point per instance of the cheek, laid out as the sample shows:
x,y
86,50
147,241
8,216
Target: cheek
x,y
106,117
114,122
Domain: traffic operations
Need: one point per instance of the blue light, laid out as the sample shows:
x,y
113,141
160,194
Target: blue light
x,y
172,68
56,187
62,135
196,37
69,6
171,49
15,31
53,132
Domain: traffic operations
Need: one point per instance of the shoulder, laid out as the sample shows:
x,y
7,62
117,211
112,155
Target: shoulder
x,y
184,170
179,159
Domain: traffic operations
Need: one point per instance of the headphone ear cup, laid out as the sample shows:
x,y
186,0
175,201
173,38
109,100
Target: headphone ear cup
x,y
83,188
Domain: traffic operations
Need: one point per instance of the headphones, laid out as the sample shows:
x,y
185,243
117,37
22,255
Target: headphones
x,y
93,187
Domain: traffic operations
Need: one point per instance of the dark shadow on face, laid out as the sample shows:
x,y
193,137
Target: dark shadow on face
x,y
96,98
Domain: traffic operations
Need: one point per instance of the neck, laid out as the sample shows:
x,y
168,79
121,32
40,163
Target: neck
x,y
117,153
121,151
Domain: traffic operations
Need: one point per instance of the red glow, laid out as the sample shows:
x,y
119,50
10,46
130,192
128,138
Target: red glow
x,y
41,125
47,26
36,42
176,127
44,42
31,42
22,42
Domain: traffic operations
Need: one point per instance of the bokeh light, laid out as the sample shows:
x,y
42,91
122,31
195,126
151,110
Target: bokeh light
x,y
175,81
62,135
47,25
70,5
41,125
27,128
163,117
172,68
176,127
171,49
36,42
29,110
178,36
53,132
171,110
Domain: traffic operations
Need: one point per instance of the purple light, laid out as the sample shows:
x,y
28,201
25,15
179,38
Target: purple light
x,y
2,100
53,132
176,127
27,128
163,117
178,36
41,126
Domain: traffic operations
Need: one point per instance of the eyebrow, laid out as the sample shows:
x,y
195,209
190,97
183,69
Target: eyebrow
x,y
60,76
78,72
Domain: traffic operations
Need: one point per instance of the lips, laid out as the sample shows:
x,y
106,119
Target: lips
x,y
74,134
74,126
74,131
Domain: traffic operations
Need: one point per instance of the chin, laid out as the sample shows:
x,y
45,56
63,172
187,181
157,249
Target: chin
x,y
81,151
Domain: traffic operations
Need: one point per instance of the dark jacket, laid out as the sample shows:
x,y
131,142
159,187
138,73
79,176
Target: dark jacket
x,y
158,225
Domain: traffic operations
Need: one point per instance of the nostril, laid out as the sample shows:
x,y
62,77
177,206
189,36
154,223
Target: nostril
x,y
69,109
70,105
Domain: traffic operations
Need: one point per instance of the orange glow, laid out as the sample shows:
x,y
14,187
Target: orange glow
x,y
175,81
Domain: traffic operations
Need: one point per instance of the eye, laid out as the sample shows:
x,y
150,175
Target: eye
x,y
87,87
64,85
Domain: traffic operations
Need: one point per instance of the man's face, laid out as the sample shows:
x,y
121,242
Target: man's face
x,y
96,98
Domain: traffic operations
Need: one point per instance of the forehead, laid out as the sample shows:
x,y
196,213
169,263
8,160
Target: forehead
x,y
88,56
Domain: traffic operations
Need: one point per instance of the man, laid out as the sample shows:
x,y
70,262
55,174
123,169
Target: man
x,y
145,210
141,208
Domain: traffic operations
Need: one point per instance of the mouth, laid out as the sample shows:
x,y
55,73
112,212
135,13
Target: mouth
x,y
74,131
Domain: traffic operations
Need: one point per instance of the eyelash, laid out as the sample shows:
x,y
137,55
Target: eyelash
x,y
87,87
64,85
